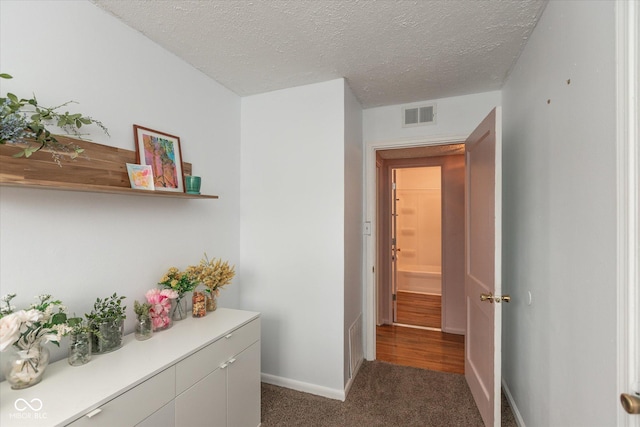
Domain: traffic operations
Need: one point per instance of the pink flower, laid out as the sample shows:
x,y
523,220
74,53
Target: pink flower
x,y
160,308
169,293
159,322
152,294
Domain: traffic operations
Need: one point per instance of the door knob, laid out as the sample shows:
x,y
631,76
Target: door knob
x,y
494,298
487,297
630,403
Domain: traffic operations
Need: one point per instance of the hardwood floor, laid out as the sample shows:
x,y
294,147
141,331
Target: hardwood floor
x,y
419,309
420,348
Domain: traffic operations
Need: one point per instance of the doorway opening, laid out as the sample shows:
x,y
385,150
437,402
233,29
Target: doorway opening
x,y
416,246
420,256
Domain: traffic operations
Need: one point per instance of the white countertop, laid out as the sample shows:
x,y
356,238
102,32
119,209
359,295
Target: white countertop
x,y
68,392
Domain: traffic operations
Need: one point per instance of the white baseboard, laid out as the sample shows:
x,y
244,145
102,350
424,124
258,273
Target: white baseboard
x,y
353,377
304,387
512,403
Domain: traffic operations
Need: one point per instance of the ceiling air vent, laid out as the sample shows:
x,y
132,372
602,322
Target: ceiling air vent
x,y
418,115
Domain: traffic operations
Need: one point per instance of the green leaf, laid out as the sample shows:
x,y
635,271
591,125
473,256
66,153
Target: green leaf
x,y
73,321
27,153
5,76
20,154
58,318
12,97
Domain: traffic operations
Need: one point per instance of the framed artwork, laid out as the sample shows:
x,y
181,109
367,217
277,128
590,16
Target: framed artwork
x,y
162,152
140,176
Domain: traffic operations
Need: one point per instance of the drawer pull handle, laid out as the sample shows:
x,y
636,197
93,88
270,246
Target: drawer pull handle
x,y
93,413
228,336
224,365
231,361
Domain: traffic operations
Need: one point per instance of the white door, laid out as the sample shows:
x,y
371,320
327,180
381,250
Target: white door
x,y
483,267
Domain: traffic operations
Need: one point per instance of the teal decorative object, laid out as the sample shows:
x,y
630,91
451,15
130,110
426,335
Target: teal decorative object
x,y
192,184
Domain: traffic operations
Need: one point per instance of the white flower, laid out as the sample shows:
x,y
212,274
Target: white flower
x,y
29,316
46,314
7,297
50,337
58,331
9,330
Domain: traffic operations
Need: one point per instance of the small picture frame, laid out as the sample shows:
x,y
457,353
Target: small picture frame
x,y
140,177
162,152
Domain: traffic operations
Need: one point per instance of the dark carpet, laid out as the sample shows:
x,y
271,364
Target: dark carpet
x,y
381,395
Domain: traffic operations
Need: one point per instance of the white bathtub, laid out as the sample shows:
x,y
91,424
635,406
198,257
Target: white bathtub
x,y
420,278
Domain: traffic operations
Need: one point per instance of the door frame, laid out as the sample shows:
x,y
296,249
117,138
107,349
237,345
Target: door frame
x,y
370,294
628,220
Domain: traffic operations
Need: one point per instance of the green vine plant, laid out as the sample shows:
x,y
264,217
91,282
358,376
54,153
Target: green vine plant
x,y
107,309
25,121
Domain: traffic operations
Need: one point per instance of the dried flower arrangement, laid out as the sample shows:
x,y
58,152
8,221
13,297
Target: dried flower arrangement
x,y
213,273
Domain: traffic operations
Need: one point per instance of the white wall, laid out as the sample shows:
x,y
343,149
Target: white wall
x,y
293,232
353,213
559,353
455,116
79,246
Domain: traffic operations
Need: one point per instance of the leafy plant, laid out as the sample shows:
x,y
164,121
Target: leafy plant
x,y
77,325
106,323
181,282
141,309
25,121
107,309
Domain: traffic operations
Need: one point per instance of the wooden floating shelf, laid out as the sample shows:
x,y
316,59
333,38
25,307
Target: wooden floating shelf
x,y
90,188
100,169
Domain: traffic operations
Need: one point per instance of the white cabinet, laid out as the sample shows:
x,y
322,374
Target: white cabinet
x,y
163,417
243,388
204,403
199,372
220,385
135,405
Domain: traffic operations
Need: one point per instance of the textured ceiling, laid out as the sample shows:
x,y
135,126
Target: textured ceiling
x,y
390,52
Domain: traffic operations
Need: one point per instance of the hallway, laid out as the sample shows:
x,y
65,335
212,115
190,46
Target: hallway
x,y
420,348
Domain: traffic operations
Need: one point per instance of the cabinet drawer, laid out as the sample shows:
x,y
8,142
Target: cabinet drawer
x,y
200,364
134,405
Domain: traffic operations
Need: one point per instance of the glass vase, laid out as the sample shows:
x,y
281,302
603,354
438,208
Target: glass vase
x,y
144,327
199,307
212,304
179,311
25,367
79,349
107,335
